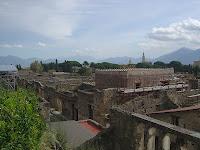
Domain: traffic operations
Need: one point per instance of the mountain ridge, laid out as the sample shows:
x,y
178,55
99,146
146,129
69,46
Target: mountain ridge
x,y
184,55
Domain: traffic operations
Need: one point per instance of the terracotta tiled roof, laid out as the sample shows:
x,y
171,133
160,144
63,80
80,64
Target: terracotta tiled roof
x,y
90,126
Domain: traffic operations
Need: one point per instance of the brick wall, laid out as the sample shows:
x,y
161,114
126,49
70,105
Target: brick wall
x,y
127,78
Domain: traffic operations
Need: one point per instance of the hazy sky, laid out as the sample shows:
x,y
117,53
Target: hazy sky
x,y
97,28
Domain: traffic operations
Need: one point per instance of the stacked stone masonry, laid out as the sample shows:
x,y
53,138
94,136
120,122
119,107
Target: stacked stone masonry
x,y
131,78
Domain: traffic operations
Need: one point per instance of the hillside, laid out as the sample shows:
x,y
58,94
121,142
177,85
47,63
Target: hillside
x,y
7,60
184,55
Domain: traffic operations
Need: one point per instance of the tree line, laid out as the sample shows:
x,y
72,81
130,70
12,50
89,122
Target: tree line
x,y
86,68
178,67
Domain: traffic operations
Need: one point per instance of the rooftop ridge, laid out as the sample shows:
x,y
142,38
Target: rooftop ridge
x,y
131,69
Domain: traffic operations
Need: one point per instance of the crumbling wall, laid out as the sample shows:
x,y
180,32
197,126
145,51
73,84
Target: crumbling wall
x,y
84,100
154,101
103,101
181,97
161,100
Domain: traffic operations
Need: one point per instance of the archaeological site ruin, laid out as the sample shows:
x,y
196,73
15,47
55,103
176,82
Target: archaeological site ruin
x,y
140,109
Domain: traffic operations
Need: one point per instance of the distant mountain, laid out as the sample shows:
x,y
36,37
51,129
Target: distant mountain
x,y
7,60
121,60
184,55
78,58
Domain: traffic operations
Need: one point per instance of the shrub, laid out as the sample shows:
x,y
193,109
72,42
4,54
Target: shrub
x,y
20,123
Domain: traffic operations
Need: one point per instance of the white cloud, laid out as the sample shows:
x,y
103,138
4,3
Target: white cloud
x,y
18,45
187,30
48,18
11,46
163,40
41,44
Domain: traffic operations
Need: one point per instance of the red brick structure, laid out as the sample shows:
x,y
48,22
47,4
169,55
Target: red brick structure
x,y
131,78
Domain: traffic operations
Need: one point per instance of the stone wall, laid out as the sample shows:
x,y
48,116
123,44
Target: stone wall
x,y
131,78
186,119
77,105
184,98
161,100
131,131
151,102
59,101
95,104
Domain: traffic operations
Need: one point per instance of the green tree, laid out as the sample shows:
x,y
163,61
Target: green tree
x,y
178,67
56,65
68,66
92,64
106,65
143,65
84,71
85,64
159,64
19,67
36,67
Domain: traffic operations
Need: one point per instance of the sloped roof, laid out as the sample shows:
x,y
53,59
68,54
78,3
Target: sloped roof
x,y
76,132
8,68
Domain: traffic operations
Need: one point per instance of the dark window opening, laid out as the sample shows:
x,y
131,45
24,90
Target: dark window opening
x,y
73,112
138,85
90,112
175,120
76,114
156,143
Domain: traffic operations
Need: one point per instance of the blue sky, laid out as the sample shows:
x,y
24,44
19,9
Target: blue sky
x,y
97,28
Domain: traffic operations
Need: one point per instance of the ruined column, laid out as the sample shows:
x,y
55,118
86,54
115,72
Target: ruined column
x,y
140,140
166,142
151,145
146,129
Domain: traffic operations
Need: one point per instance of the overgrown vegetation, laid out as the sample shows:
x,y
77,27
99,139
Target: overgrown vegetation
x,y
21,126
